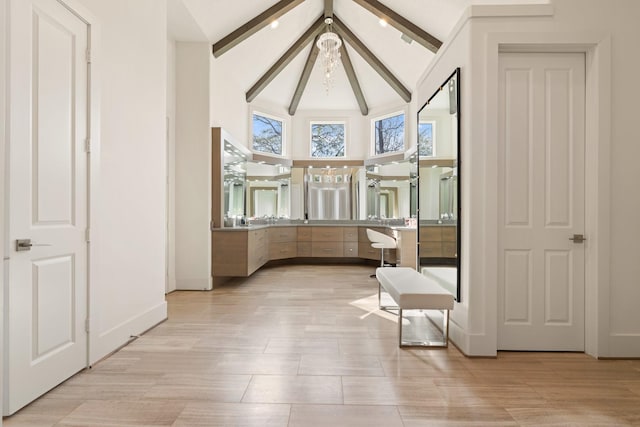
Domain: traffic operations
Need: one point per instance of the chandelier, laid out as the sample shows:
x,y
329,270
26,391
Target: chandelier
x,y
329,44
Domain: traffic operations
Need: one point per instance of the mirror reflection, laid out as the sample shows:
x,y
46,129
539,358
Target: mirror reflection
x,y
269,193
439,189
389,190
235,174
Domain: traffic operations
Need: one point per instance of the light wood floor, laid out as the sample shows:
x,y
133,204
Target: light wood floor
x,y
303,346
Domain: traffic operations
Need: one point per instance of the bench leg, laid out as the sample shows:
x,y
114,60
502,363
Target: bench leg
x,y
388,308
445,334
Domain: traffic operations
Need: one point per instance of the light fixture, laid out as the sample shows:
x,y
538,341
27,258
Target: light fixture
x,y
383,22
329,44
274,24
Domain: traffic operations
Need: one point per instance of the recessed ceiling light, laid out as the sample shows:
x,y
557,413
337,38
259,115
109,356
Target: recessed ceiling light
x,y
383,22
274,24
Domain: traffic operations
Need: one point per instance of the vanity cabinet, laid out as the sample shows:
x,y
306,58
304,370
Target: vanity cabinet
x,y
239,253
438,241
326,242
350,242
283,242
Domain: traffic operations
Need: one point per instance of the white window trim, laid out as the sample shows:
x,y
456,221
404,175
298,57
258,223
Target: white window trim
x,y
327,122
259,112
372,136
435,139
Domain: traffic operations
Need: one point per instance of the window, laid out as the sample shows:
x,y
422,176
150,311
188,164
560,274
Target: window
x,y
388,134
427,139
327,139
267,134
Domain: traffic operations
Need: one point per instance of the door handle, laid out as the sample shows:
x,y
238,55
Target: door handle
x,y
25,245
578,238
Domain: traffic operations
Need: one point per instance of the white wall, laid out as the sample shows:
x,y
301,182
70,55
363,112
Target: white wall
x,y
229,109
193,167
171,166
128,231
608,29
3,137
454,53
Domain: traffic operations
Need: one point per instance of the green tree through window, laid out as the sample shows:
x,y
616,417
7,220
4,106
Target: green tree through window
x,y
389,134
327,140
267,134
426,139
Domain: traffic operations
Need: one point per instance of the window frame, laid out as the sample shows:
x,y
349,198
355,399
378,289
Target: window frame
x,y
434,145
327,122
283,145
372,130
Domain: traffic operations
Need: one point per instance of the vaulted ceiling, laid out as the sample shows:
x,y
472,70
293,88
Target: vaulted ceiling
x,y
250,61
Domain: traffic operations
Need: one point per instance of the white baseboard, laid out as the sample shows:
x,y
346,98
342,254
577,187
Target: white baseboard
x,y
473,345
624,345
104,343
198,284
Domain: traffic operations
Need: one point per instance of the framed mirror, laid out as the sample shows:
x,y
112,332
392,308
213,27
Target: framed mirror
x,y
438,192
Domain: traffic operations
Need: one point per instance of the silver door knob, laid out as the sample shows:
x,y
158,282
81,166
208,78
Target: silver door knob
x,y
578,238
26,244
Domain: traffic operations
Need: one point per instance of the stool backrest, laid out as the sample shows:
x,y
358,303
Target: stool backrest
x,y
377,237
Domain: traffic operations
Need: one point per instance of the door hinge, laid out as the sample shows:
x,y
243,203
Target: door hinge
x,y
87,145
210,225
87,324
88,55
87,235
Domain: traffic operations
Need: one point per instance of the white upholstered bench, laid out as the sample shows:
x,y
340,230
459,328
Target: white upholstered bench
x,y
413,291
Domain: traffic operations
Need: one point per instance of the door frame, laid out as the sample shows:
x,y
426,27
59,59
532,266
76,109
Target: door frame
x,y
597,50
7,11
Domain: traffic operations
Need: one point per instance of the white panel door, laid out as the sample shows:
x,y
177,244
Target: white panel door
x,y
541,202
47,290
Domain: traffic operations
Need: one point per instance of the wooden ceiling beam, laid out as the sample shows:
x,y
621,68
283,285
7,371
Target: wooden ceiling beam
x,y
401,24
285,59
353,80
253,26
304,78
328,8
371,59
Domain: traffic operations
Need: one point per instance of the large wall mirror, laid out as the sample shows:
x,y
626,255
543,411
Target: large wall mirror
x,y
439,185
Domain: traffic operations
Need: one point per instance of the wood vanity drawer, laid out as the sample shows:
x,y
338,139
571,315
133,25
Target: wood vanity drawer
x,y
283,250
326,234
326,249
449,234
366,251
350,234
430,249
304,249
449,249
304,234
350,249
282,234
431,234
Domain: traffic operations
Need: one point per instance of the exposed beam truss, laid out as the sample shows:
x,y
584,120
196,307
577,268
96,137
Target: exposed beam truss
x,y
353,80
253,26
328,8
285,59
401,24
304,77
344,32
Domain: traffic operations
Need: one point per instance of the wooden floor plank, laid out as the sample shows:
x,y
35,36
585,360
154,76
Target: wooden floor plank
x,y
305,345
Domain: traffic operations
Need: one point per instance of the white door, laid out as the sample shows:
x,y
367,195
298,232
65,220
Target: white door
x,y
541,202
47,289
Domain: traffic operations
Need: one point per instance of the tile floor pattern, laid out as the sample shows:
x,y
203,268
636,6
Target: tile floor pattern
x,y
304,346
